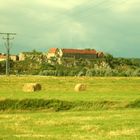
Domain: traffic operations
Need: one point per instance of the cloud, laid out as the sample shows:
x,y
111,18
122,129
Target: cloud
x,y
63,4
126,6
108,25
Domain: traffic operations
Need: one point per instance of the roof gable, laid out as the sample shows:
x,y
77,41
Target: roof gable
x,y
53,50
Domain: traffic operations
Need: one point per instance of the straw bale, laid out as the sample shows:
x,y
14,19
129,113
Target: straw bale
x,y
31,87
80,87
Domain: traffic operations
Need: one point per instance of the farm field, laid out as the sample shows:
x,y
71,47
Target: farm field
x,y
108,109
91,125
117,89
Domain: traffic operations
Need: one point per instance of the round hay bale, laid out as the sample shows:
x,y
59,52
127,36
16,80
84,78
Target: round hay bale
x,y
31,87
80,87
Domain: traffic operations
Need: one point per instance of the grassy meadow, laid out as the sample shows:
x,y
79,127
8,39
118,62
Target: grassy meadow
x,y
123,89
108,109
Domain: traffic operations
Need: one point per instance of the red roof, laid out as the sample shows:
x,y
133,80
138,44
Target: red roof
x,y
53,50
2,57
77,51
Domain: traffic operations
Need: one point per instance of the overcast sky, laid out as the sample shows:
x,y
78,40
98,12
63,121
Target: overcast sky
x,y
112,26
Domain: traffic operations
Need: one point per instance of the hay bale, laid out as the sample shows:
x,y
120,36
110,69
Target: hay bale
x,y
31,87
80,87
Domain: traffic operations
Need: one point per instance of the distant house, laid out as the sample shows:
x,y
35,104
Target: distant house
x,y
78,53
74,53
22,56
53,52
14,57
100,54
3,57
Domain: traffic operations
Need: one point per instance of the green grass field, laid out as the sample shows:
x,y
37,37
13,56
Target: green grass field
x,y
122,123
125,89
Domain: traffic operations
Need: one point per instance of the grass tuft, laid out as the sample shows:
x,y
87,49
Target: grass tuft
x,y
134,104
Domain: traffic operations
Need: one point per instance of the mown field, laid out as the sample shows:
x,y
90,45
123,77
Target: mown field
x,y
108,109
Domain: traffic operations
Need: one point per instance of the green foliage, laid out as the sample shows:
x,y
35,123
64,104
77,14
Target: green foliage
x,y
33,104
134,104
27,66
58,105
2,67
37,64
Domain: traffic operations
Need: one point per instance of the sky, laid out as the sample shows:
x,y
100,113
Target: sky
x,y
112,26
